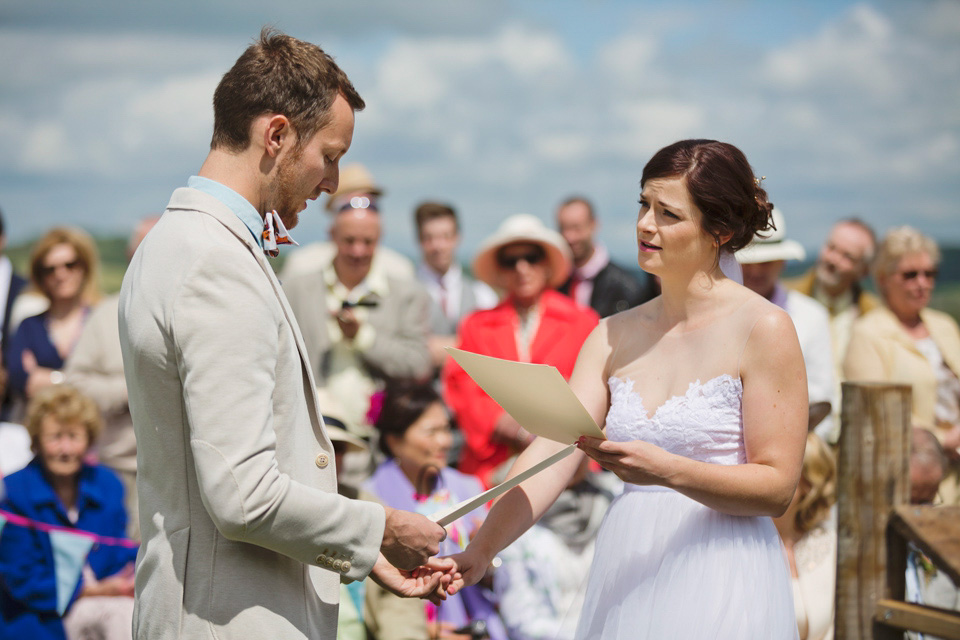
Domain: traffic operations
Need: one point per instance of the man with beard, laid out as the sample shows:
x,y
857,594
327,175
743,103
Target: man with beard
x,y
244,534
834,282
595,282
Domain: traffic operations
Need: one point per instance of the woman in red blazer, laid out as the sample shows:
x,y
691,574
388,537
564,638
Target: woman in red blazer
x,y
532,324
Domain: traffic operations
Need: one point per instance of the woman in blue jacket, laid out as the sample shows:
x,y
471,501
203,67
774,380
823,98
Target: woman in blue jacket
x,y
59,488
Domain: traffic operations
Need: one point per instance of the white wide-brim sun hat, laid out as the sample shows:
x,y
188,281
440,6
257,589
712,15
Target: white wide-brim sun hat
x,y
523,227
335,424
772,245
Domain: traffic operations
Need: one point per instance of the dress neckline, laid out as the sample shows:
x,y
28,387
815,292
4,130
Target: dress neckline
x,y
696,385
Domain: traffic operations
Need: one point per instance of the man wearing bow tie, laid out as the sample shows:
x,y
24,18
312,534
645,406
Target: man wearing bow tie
x,y
244,534
361,326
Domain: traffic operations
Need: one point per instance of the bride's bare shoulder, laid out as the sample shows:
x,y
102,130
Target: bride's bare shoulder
x,y
645,314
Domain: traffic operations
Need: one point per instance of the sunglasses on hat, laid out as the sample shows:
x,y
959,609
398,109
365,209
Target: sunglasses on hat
x,y
358,202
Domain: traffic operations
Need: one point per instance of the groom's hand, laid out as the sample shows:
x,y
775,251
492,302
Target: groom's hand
x,y
409,539
433,581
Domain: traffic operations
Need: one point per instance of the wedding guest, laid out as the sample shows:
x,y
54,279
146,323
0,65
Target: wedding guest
x,y
96,368
11,284
809,532
763,261
926,584
533,323
59,488
905,341
596,281
64,267
453,293
415,437
366,608
361,327
836,281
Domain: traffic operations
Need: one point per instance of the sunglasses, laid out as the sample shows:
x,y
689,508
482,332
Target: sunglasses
x,y
929,274
49,270
358,202
511,261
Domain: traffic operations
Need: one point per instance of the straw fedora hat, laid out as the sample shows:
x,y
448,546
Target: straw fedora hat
x,y
335,424
523,227
771,245
354,178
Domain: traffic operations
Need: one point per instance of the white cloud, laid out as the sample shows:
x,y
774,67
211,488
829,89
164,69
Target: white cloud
x,y
856,112
854,53
45,148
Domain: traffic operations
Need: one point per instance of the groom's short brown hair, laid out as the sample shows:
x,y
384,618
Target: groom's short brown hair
x,y
278,74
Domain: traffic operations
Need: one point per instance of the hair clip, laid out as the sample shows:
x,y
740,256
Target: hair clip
x,y
759,180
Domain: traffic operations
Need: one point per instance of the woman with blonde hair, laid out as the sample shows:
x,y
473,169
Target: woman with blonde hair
x,y
905,341
64,268
60,488
809,535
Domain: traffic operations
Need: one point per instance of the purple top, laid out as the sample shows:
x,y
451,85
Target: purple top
x,y
394,489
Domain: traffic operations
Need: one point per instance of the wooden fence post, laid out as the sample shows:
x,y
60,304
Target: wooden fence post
x,y
874,477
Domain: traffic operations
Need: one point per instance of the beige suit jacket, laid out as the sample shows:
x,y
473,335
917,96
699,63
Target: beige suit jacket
x,y
400,323
244,535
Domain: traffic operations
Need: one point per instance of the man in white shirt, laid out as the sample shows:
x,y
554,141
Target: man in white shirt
x,y
453,293
763,261
362,326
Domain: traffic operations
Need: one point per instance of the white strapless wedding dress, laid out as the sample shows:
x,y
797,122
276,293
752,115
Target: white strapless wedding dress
x,y
668,567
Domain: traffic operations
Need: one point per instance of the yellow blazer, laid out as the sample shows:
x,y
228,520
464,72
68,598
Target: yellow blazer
x,y
881,350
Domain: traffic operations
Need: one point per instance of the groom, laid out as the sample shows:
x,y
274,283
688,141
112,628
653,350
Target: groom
x,y
244,534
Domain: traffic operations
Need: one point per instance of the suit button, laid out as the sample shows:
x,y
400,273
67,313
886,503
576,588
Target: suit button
x,y
346,566
322,460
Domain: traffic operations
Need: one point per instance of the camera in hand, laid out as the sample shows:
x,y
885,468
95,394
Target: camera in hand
x,y
366,301
476,629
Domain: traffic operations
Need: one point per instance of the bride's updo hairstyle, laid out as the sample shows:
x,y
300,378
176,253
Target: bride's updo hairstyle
x,y
722,185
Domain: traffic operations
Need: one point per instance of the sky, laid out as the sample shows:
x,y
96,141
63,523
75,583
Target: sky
x,y
499,107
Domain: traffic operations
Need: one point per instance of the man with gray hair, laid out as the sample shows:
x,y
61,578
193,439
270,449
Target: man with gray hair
x,y
835,281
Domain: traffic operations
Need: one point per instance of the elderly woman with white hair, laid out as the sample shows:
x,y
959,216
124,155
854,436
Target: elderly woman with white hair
x,y
533,323
905,341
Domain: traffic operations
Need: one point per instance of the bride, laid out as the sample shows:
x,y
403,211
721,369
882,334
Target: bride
x,y
702,393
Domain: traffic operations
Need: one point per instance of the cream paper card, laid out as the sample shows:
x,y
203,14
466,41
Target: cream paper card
x,y
536,395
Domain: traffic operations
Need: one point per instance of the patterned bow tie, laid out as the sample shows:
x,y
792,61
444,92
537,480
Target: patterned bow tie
x,y
272,238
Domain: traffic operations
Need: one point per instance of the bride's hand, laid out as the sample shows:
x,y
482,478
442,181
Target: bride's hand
x,y
636,462
472,565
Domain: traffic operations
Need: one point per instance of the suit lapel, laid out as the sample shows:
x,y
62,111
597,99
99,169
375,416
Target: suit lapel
x,y
207,204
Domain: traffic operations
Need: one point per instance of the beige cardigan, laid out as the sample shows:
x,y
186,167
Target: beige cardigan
x,y
881,350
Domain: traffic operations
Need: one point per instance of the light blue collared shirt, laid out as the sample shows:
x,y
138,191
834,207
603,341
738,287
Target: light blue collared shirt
x,y
237,203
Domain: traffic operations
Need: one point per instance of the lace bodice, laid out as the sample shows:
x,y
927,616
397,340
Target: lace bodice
x,y
703,424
